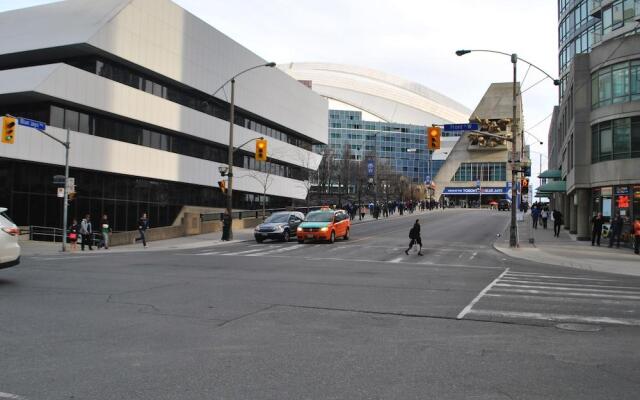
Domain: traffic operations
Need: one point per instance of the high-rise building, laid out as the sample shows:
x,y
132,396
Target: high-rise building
x,y
134,81
594,138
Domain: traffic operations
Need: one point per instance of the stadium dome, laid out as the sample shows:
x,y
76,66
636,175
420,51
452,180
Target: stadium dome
x,y
387,97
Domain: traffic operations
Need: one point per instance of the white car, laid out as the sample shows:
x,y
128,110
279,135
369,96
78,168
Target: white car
x,y
9,247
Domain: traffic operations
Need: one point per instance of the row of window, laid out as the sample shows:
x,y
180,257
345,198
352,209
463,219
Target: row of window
x,y
617,139
575,19
488,172
618,83
188,98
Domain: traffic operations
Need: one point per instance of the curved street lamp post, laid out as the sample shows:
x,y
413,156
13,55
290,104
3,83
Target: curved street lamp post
x,y
231,150
513,230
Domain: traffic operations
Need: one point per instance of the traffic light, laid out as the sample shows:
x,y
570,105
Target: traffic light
x,y
223,186
8,130
524,186
433,137
261,150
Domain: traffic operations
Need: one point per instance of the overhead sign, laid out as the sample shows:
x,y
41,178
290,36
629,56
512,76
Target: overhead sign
x,y
461,127
32,123
371,168
473,190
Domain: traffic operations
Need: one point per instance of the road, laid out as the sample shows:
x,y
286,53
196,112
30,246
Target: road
x,y
357,319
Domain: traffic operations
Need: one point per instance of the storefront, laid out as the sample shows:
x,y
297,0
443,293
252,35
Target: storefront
x,y
473,197
612,200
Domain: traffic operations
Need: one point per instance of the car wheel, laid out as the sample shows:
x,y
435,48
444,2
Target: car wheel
x,y
301,241
346,235
332,237
259,240
285,236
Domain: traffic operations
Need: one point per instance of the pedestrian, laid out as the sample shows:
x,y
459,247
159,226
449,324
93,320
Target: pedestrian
x,y
226,226
596,230
535,214
557,221
616,230
73,235
545,216
105,229
363,212
636,234
143,225
414,235
86,231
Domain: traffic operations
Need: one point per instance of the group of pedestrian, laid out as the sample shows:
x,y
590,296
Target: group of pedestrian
x,y
84,233
540,212
616,228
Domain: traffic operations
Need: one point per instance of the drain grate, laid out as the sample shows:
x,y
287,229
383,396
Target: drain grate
x,y
579,327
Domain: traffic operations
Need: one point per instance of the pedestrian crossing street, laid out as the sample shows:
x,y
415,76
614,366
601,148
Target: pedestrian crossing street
x,y
558,298
350,251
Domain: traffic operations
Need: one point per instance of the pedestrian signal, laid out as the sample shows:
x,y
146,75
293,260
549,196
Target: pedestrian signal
x,y
433,137
261,150
524,185
223,186
8,130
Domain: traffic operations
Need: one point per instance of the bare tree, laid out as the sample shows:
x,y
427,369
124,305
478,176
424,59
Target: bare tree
x,y
265,177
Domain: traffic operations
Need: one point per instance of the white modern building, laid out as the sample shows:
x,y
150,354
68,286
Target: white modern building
x,y
132,81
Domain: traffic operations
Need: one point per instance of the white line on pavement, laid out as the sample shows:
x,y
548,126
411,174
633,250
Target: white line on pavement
x,y
475,253
275,251
518,274
11,396
208,253
565,299
558,317
585,285
396,260
239,253
466,310
574,294
564,288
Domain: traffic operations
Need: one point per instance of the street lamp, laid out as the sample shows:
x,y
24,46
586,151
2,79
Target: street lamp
x,y
229,170
513,235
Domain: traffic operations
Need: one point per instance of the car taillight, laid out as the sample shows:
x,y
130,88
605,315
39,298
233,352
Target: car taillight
x,y
13,231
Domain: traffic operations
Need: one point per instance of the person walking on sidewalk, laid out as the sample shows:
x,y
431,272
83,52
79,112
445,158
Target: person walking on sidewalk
x,y
535,214
105,229
636,234
414,235
616,230
596,231
73,235
143,225
557,221
86,231
545,216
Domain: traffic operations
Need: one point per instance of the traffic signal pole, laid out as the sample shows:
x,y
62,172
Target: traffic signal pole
x,y
513,229
230,158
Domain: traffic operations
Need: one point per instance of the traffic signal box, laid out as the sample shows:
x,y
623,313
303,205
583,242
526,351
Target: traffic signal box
x,y
261,150
433,137
524,186
223,186
8,130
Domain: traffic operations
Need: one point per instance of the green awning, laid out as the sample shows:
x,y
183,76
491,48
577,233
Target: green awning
x,y
551,174
542,194
553,187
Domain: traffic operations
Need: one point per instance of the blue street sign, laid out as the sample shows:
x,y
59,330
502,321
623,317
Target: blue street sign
x,y
32,123
427,179
460,127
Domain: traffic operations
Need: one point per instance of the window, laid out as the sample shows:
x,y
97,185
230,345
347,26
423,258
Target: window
x,y
616,84
634,76
607,20
604,87
620,82
621,138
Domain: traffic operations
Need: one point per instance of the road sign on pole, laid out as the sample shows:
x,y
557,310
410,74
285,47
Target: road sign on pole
x,y
32,123
460,127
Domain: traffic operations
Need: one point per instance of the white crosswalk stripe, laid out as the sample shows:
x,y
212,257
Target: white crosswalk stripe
x,y
558,298
276,251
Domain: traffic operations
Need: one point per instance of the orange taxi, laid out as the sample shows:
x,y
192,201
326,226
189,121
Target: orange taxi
x,y
324,224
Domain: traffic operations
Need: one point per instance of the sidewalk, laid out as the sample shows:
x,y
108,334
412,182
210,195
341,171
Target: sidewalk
x,y
568,252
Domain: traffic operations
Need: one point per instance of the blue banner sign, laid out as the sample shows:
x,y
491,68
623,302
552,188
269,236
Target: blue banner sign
x,y
467,190
461,127
32,123
371,168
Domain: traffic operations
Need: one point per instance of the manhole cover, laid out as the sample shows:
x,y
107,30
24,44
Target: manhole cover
x,y
579,327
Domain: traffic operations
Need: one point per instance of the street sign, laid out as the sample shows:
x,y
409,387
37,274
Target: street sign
x,y
71,185
427,179
371,168
60,192
32,123
461,127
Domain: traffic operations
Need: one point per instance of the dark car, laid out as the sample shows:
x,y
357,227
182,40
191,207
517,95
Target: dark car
x,y
504,205
279,226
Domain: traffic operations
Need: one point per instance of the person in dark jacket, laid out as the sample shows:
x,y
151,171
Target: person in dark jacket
x,y
414,235
596,231
557,222
616,230
143,225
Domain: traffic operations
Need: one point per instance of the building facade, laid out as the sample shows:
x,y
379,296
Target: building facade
x,y
132,82
476,172
594,138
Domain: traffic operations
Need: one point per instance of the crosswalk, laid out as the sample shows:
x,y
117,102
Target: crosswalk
x,y
557,298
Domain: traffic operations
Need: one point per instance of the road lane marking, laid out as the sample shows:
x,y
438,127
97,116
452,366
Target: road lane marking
x,y
558,317
517,274
239,253
11,396
564,288
573,294
466,310
559,298
396,260
475,253
208,253
584,285
275,251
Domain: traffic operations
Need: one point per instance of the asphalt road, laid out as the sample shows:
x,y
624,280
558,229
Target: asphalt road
x,y
357,319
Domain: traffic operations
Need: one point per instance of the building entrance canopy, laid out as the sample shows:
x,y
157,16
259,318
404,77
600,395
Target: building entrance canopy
x,y
459,191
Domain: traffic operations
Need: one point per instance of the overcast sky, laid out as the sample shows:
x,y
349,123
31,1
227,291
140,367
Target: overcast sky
x,y
413,39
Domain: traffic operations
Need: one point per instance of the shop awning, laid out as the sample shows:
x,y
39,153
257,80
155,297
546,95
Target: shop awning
x,y
553,187
551,174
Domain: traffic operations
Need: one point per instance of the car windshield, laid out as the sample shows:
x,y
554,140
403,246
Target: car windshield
x,y
320,217
277,218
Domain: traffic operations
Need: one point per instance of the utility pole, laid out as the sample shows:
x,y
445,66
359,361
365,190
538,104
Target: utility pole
x,y
513,229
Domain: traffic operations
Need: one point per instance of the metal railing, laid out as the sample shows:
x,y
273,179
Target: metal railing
x,y
255,213
45,233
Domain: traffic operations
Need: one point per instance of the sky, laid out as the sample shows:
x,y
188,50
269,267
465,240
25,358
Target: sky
x,y
413,39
